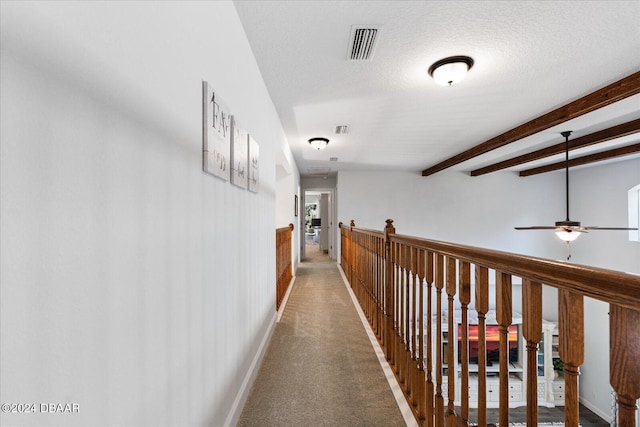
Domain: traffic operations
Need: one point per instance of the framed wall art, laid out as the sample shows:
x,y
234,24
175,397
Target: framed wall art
x,y
216,134
239,154
254,169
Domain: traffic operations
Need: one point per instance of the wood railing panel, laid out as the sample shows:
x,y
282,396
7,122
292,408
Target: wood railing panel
x,y
394,276
284,269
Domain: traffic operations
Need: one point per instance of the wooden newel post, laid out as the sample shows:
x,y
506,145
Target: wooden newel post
x,y
389,302
624,365
571,328
532,332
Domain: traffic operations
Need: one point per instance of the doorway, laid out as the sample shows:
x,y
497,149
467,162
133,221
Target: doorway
x,y
317,222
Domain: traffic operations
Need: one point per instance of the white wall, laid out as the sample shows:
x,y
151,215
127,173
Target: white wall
x,y
288,186
132,283
455,207
482,211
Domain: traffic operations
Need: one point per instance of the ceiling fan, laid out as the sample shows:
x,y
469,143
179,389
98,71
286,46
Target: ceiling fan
x,y
568,230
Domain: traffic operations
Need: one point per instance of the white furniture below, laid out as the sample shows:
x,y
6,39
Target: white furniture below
x,y
550,385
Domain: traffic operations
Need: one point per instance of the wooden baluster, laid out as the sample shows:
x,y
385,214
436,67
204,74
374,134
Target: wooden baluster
x,y
398,347
398,311
403,317
420,389
389,231
429,391
451,354
364,276
439,400
372,285
379,288
465,298
482,307
368,294
352,255
532,333
368,290
624,368
375,272
407,320
414,328
504,317
571,329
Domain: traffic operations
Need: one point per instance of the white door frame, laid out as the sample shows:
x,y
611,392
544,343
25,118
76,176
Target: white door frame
x,y
333,211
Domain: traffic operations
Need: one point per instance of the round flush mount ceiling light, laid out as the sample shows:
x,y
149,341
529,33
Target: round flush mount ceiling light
x,y
318,143
451,70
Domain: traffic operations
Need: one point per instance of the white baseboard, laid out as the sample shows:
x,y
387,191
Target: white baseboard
x,y
593,408
243,393
285,299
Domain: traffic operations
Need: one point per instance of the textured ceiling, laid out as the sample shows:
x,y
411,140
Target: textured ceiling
x,y
530,58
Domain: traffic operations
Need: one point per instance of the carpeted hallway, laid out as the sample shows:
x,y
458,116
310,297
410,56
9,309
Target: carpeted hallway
x,y
320,368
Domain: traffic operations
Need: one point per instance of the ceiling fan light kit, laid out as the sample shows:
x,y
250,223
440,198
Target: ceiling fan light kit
x,y
319,143
568,230
451,70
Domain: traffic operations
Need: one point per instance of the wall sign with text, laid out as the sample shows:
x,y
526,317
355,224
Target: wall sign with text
x,y
216,135
228,151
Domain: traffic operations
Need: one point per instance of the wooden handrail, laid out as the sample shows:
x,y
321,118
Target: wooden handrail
x,y
396,279
284,269
605,285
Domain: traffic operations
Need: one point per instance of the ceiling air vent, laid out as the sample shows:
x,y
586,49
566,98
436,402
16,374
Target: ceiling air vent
x,y
341,129
333,159
362,42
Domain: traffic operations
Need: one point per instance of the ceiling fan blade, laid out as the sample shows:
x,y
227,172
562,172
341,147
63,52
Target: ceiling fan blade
x,y
537,227
609,228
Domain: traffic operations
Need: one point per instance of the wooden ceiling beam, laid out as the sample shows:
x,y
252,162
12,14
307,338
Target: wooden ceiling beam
x,y
605,135
614,92
627,150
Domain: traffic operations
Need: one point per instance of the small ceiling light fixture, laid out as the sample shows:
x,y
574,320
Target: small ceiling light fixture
x,y
451,70
319,143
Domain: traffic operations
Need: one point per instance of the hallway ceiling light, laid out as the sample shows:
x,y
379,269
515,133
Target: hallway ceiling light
x,y
318,143
451,70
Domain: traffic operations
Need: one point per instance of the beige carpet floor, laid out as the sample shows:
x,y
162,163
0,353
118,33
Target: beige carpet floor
x,y
320,368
